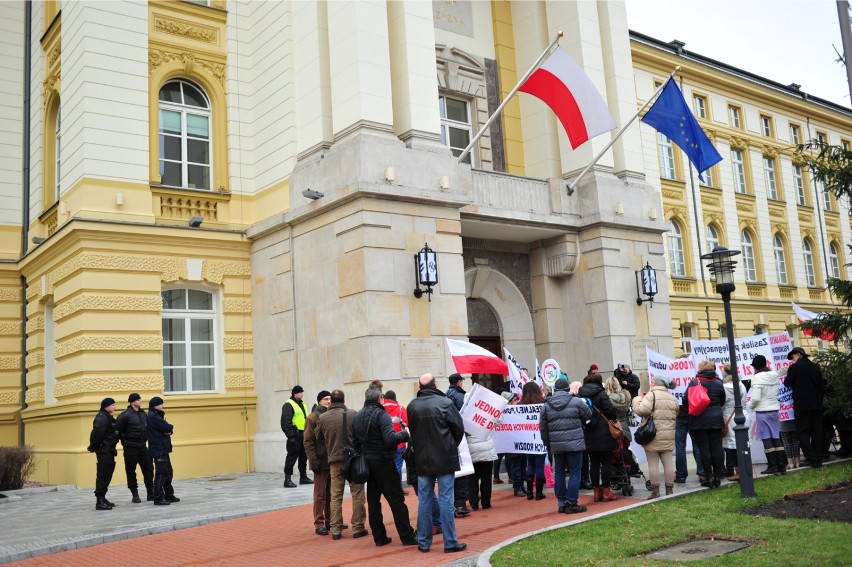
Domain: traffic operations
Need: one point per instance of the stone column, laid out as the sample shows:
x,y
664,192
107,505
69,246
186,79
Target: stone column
x,y
312,77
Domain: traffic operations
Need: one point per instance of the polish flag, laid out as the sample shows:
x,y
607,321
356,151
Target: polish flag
x,y
472,359
804,315
569,92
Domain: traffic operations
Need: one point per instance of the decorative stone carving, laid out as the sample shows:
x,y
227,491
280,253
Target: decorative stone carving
x,y
239,381
710,201
10,295
669,194
54,54
157,57
35,394
770,151
832,222
807,233
714,218
239,342
10,398
186,29
87,384
747,224
35,359
170,269
215,270
91,302
49,84
779,227
34,323
10,362
560,256
8,328
100,343
676,212
738,143
236,305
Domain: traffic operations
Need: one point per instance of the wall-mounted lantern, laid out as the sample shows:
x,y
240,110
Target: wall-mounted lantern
x,y
648,275
425,271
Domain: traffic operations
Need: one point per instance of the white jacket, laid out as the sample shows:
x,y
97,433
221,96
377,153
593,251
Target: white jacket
x,y
481,449
764,391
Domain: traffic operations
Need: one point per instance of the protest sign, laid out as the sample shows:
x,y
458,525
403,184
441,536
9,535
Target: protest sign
x,y
519,432
681,371
549,372
785,402
781,345
517,377
745,348
481,409
465,461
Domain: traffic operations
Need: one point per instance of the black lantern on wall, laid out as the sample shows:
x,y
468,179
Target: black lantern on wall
x,y
425,271
648,276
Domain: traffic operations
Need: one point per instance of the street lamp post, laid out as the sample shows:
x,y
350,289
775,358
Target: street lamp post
x,y
721,266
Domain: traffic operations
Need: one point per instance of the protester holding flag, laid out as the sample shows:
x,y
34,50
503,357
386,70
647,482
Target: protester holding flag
x,y
535,461
706,428
764,402
599,443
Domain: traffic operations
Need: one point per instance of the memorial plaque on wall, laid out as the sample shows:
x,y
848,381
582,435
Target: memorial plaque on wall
x,y
420,356
638,356
453,15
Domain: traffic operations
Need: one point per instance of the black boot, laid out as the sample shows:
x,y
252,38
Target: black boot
x,y
136,499
288,481
770,459
108,503
529,489
303,478
150,496
539,489
781,461
101,505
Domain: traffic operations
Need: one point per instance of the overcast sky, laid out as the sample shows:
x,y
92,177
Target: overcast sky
x,y
787,41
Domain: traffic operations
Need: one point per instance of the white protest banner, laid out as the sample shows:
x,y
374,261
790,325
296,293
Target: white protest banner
x,y
481,409
465,461
781,345
538,378
517,377
549,372
519,432
785,402
681,371
746,348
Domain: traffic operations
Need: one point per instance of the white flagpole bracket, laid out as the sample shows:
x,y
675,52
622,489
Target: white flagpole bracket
x,y
503,104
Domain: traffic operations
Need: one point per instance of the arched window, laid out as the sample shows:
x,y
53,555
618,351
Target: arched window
x,y
780,259
189,340
834,260
712,237
676,256
184,135
749,264
810,272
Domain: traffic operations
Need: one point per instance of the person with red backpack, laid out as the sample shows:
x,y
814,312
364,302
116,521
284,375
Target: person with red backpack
x,y
399,417
706,396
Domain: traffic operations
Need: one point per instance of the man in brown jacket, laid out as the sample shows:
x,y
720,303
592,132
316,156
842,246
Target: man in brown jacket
x,y
318,461
329,430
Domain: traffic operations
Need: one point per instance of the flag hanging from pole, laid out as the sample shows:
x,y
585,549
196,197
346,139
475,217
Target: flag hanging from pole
x,y
671,116
804,315
563,86
469,358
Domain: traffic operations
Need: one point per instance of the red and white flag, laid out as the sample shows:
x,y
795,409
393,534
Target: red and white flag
x,y
804,315
569,92
473,359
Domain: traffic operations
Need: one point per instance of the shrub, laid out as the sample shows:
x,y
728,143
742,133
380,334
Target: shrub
x,y
16,465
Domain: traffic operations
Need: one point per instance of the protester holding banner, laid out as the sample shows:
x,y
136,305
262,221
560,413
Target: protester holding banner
x,y
599,442
729,440
764,402
660,405
482,454
706,428
561,426
788,429
535,461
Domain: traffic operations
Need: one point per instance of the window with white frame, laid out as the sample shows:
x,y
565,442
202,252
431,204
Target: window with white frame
x,y
723,331
699,106
766,126
58,149
455,125
769,177
667,163
799,180
822,138
734,117
834,260
810,272
676,255
749,263
795,134
189,340
826,196
738,165
184,136
712,237
780,259
760,329
687,334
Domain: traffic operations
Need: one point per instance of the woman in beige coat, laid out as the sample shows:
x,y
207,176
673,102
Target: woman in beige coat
x,y
663,406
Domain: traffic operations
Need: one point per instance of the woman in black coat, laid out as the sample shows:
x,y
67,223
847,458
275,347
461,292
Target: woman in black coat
x,y
599,443
706,429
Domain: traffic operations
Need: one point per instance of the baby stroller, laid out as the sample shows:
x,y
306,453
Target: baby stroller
x,y
621,461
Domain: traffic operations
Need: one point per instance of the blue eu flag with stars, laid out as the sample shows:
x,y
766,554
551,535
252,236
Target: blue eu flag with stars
x,y
671,116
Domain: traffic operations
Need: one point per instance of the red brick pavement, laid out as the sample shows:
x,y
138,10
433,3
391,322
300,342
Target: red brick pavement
x,y
286,537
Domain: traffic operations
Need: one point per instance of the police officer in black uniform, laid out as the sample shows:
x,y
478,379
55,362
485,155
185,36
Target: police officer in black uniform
x,y
132,427
102,442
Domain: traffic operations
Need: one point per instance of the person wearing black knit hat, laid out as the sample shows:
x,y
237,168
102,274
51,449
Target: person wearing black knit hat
x,y
318,461
102,442
293,418
132,428
160,442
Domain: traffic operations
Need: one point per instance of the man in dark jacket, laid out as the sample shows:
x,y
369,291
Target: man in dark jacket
x,y
561,423
102,442
706,429
318,461
330,430
629,381
133,431
436,431
293,418
160,444
374,437
804,378
456,394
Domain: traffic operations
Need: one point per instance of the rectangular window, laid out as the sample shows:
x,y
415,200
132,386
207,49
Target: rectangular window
x,y
766,126
739,171
687,334
822,138
667,163
799,179
699,106
844,144
189,341
455,125
769,177
795,136
826,196
734,117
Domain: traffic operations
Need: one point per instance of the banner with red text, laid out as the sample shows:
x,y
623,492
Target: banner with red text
x,y
681,371
481,409
519,432
746,348
781,345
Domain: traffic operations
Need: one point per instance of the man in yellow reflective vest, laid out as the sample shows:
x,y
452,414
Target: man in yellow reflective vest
x,y
293,418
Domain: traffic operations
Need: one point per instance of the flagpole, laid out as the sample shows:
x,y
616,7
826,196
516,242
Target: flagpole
x,y
506,100
620,132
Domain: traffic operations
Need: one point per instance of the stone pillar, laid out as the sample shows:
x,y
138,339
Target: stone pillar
x,y
312,77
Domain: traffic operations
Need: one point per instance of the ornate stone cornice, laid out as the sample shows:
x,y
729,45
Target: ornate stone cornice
x,y
216,270
100,343
170,269
779,227
158,57
93,302
807,233
770,151
186,29
710,201
672,212
738,143
87,384
669,194
714,218
747,223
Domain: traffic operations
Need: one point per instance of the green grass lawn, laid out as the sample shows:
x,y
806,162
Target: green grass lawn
x,y
619,539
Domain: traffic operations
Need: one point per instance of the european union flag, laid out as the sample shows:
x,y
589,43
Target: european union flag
x,y
671,116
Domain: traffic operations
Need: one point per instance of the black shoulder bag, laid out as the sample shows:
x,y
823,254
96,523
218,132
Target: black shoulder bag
x,y
355,468
647,431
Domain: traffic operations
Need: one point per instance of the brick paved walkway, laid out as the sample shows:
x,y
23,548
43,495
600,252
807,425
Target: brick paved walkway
x,y
286,537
